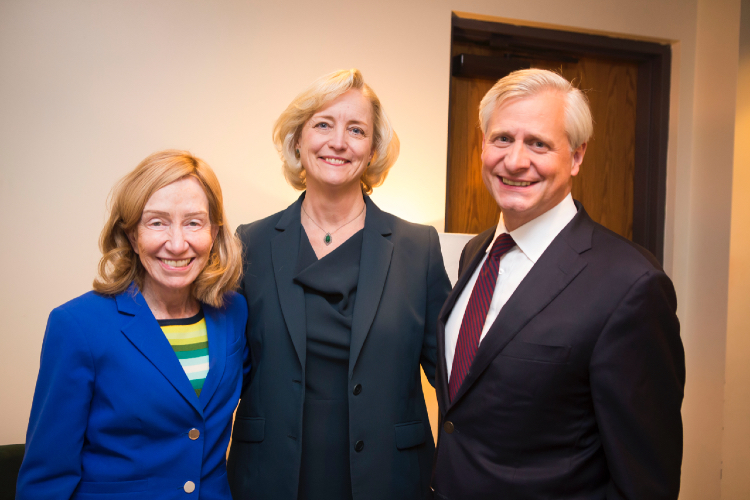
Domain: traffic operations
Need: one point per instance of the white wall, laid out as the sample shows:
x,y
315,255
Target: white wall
x,y
736,456
88,88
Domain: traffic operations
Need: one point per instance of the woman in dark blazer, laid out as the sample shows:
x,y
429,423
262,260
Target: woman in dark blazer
x,y
139,378
343,302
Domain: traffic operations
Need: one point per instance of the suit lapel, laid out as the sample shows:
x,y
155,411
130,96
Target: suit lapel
x,y
551,274
284,251
141,328
474,257
217,352
375,262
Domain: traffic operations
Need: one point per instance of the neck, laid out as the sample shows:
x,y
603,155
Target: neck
x,y
170,304
330,209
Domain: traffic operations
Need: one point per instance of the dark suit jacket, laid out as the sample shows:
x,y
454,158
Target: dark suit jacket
x,y
402,285
113,407
575,391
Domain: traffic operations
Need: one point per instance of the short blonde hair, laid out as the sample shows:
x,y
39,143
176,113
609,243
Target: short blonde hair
x,y
288,127
579,125
120,265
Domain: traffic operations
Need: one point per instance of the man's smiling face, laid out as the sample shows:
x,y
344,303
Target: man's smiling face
x,y
527,164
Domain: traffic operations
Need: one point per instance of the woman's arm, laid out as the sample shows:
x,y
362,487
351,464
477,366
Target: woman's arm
x,y
51,467
438,288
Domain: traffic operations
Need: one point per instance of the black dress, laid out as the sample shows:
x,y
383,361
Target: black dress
x,y
330,286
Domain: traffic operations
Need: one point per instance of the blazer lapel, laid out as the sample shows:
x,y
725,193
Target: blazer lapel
x,y
217,352
554,271
284,251
484,241
373,271
473,261
141,328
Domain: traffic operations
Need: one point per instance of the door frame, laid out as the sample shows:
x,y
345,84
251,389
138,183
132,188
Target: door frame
x,y
652,110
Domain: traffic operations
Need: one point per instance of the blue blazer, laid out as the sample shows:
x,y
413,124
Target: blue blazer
x,y
402,285
113,407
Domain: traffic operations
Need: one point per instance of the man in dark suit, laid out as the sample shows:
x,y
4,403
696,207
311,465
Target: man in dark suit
x,y
560,365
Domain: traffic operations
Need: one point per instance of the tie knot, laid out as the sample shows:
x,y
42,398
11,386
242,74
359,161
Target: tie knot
x,y
502,244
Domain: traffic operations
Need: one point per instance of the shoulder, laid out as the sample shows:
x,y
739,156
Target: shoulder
x,y
406,228
600,246
259,228
386,222
84,305
234,312
622,252
80,323
620,267
234,305
408,236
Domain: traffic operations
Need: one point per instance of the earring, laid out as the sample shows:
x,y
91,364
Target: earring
x,y
368,163
296,151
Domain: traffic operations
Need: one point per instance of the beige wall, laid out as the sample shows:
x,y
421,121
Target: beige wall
x,y
736,456
702,247
87,89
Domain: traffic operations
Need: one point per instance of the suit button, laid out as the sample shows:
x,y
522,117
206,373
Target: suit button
x,y
448,427
194,434
357,389
189,487
359,446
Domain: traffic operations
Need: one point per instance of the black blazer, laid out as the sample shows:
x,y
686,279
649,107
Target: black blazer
x,y
575,391
402,285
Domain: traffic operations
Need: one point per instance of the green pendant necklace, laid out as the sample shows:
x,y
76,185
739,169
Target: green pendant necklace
x,y
328,238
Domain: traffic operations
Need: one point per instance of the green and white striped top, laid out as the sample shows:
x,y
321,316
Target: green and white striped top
x,y
189,339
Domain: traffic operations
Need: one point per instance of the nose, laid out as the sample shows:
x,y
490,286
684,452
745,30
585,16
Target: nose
x,y
337,139
517,157
176,242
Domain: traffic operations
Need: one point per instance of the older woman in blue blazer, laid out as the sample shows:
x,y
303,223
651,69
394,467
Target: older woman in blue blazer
x,y
139,378
343,303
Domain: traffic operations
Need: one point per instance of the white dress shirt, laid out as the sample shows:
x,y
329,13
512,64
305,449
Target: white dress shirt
x,y
532,239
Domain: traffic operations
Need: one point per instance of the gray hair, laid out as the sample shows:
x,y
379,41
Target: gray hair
x,y
579,125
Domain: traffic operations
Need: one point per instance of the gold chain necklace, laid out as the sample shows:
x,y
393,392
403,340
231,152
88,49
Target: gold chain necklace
x,y
328,238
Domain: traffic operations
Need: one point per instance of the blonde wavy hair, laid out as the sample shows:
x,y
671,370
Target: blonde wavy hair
x,y
288,127
120,265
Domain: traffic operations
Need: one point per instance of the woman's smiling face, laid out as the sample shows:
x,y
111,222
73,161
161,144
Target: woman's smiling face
x,y
335,144
174,237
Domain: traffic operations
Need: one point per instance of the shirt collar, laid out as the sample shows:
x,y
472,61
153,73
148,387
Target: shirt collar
x,y
534,237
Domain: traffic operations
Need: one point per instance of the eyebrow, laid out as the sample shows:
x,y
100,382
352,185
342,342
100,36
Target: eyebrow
x,y
529,138
536,137
167,214
330,117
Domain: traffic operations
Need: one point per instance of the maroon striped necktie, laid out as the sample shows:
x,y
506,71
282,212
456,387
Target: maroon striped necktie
x,y
476,313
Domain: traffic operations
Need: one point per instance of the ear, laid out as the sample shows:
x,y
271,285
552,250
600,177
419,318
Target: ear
x,y
482,141
132,237
577,159
214,233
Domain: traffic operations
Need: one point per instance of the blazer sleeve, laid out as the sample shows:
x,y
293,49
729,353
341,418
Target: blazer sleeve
x,y
637,382
438,288
51,467
246,365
